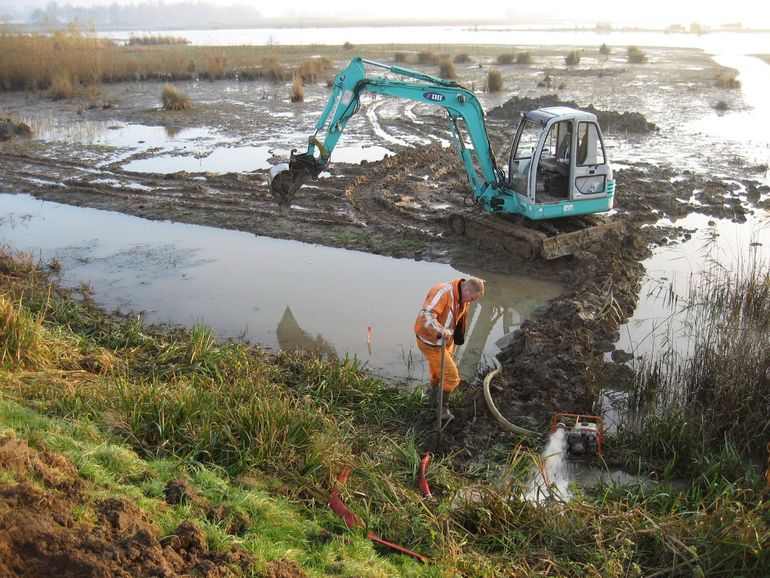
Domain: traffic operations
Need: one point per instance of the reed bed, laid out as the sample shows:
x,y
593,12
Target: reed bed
x,y
290,422
710,387
69,62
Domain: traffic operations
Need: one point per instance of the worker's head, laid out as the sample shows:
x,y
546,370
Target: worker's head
x,y
472,290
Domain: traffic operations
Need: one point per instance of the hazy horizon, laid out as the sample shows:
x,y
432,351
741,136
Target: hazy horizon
x,y
653,13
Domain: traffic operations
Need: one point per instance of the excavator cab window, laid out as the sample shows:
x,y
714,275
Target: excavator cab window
x,y
553,167
522,151
590,147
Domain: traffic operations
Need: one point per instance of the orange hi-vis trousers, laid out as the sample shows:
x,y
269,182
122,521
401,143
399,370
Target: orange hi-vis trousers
x,y
433,355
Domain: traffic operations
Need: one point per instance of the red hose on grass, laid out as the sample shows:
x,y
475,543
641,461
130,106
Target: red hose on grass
x,y
353,521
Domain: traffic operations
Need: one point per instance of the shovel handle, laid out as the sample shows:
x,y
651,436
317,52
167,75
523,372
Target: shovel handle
x,y
440,392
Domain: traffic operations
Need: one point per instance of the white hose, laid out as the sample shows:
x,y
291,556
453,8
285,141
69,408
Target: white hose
x,y
492,408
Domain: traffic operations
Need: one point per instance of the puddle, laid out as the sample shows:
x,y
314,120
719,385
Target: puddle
x,y
276,293
221,160
116,134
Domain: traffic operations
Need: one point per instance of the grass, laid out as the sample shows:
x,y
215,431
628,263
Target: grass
x,y
708,390
297,89
174,99
494,80
264,435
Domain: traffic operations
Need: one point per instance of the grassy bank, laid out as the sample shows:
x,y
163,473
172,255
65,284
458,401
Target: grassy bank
x,y
262,437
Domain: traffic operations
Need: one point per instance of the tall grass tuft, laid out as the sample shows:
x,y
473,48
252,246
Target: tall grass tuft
x,y
572,58
494,80
447,69
297,88
22,336
524,57
174,99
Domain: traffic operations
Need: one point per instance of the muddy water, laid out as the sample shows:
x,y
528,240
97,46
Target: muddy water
x,y
277,293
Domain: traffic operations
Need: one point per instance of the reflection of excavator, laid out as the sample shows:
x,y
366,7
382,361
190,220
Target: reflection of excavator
x,y
291,336
557,165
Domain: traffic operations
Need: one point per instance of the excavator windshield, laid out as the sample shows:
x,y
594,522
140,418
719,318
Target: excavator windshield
x,y
524,146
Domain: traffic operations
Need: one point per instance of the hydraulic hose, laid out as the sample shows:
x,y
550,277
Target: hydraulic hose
x,y
504,423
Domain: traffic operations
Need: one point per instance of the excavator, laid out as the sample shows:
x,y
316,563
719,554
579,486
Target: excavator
x,y
544,204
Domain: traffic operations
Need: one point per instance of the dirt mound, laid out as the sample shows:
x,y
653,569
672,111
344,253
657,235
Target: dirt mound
x,y
43,531
625,122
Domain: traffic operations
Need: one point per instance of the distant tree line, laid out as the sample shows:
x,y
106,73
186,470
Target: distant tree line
x,y
143,15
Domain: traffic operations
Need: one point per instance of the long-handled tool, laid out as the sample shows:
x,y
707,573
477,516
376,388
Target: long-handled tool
x,y
440,395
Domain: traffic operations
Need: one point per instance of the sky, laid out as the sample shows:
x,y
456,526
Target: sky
x,y
751,13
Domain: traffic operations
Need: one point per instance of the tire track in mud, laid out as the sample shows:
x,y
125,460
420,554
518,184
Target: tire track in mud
x,y
234,201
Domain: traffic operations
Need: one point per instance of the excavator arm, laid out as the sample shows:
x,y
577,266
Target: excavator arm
x,y
466,117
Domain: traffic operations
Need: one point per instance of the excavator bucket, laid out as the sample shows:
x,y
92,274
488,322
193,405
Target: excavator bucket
x,y
282,185
285,179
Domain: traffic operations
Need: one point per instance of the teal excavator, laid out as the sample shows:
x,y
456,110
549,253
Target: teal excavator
x,y
557,167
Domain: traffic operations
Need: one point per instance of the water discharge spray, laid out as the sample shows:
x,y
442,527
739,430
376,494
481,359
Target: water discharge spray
x,y
551,475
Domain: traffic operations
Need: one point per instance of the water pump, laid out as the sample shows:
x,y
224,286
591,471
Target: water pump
x,y
583,434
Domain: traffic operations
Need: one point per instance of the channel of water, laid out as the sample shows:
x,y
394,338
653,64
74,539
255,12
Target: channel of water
x,y
277,293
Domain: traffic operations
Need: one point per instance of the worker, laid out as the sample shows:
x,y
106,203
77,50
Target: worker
x,y
440,325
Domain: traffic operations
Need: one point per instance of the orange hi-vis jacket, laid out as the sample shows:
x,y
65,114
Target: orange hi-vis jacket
x,y
442,308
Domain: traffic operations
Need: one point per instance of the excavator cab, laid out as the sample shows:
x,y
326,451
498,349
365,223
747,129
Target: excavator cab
x,y
558,156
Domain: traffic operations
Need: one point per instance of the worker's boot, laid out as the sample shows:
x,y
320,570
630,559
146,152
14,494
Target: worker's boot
x,y
445,413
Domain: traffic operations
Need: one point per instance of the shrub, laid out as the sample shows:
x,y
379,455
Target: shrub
x,y
572,58
726,79
721,105
636,55
155,40
507,58
427,57
447,69
604,50
297,88
494,80
347,46
401,57
174,99
462,58
524,58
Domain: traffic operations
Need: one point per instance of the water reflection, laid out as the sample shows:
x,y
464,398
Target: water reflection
x,y
292,337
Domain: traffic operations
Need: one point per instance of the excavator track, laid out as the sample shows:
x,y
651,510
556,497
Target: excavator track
x,y
530,239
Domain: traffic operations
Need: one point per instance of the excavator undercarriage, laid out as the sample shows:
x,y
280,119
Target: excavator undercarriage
x,y
530,239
